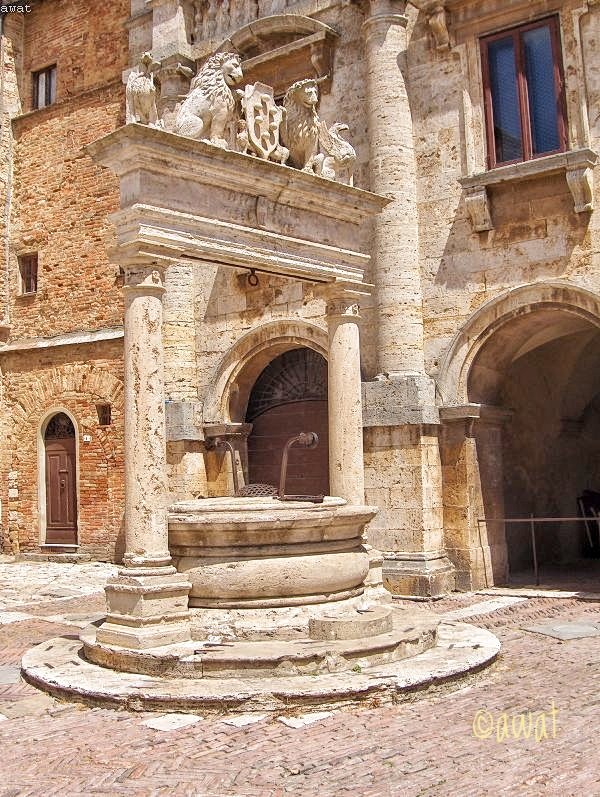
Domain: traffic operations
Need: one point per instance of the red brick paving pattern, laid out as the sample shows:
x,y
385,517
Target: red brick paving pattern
x,y
415,749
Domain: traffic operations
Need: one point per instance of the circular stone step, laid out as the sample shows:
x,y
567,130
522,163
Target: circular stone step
x,y
410,633
57,666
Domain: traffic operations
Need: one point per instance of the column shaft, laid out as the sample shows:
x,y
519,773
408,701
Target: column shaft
x,y
393,173
146,532
346,468
147,603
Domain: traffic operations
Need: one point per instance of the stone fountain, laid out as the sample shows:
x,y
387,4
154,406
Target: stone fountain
x,y
258,602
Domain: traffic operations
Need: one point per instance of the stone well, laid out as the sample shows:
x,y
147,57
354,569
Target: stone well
x,y
246,553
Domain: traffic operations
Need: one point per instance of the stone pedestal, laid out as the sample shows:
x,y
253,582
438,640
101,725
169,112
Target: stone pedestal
x,y
147,601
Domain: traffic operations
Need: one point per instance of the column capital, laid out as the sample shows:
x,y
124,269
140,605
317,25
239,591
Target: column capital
x,y
384,14
145,279
473,415
344,306
343,300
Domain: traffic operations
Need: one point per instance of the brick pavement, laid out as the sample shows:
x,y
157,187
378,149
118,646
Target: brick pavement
x,y
416,749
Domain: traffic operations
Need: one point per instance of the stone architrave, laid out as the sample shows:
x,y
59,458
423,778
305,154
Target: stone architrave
x,y
262,121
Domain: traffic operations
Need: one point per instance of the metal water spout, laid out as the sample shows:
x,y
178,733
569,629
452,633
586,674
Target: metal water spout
x,y
304,440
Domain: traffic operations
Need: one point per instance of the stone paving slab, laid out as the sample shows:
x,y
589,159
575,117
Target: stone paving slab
x,y
577,629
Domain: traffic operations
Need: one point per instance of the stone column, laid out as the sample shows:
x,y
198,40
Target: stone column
x,y
393,174
403,475
148,601
346,466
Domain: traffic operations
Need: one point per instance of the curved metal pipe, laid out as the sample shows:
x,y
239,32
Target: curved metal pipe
x,y
304,440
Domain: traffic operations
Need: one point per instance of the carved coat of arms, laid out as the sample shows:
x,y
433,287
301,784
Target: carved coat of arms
x,y
258,132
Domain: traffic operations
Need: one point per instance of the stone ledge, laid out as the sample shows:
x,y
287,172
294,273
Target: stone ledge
x,y
577,165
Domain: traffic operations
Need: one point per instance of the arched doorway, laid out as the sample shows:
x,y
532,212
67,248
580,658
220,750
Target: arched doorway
x,y
543,366
60,462
288,397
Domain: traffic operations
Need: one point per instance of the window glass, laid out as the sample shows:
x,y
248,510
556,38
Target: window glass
x,y
505,100
539,70
41,90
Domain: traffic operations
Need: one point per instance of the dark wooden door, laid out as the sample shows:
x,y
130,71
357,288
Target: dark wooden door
x,y
61,491
290,396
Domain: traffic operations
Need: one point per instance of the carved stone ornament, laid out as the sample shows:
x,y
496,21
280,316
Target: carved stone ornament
x,y
479,209
258,132
292,135
300,129
140,93
337,158
581,185
210,106
438,25
313,146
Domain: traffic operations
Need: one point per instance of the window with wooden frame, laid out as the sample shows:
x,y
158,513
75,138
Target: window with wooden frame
x,y
524,93
28,274
44,87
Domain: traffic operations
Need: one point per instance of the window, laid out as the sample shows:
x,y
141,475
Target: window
x,y
524,96
104,414
28,271
44,87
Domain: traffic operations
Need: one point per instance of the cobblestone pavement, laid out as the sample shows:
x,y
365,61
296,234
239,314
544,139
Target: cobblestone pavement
x,y
425,747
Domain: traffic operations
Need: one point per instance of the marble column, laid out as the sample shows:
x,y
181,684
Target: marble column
x,y
148,601
346,466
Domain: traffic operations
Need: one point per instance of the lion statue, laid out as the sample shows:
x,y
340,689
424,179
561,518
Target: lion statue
x,y
300,127
210,105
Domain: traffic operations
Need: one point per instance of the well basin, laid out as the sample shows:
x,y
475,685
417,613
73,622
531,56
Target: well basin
x,y
261,552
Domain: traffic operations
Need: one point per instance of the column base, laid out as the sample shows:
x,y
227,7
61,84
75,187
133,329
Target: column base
x,y
417,576
146,608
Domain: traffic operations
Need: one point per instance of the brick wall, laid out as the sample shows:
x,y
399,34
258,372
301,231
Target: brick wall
x,y
75,379
61,199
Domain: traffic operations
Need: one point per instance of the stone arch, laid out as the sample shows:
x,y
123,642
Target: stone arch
x,y
577,305
56,382
296,25
236,374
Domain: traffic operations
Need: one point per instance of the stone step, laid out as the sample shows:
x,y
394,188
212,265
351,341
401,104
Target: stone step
x,y
57,666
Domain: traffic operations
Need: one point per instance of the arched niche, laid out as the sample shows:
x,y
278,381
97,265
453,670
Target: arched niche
x,y
281,49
